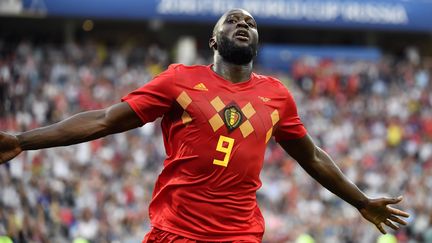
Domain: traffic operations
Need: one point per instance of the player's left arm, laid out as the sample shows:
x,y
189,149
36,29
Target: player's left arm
x,y
322,168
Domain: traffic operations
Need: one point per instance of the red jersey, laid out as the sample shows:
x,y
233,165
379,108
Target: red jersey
x,y
215,133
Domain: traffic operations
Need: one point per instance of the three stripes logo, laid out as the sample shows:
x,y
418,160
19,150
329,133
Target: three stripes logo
x,y
201,87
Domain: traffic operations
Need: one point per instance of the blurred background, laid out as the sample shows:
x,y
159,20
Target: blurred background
x,y
360,72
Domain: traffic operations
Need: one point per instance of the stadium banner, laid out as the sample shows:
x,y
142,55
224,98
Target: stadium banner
x,y
413,15
281,56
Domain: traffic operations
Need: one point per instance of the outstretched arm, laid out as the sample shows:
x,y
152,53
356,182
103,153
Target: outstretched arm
x,y
321,167
79,128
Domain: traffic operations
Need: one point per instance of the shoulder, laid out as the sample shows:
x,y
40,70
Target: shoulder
x,y
184,76
275,84
178,71
178,67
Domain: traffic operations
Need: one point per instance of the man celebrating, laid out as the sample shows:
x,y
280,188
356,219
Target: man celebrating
x,y
217,120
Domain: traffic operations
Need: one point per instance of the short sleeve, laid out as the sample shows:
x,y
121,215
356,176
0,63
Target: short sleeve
x,y
153,99
290,126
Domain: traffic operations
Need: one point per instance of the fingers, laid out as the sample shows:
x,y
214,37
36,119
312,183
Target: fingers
x,y
391,225
398,212
394,210
394,200
381,228
386,215
397,220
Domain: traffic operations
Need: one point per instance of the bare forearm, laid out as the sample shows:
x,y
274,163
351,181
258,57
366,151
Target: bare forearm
x,y
321,167
79,128
325,171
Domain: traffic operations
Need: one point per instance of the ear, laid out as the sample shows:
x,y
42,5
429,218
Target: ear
x,y
212,43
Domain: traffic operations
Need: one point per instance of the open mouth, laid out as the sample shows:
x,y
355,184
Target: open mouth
x,y
241,35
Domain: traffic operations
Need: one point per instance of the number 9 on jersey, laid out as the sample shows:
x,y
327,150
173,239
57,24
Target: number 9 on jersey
x,y
224,145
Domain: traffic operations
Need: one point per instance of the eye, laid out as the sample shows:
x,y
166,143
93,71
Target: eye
x,y
251,24
232,21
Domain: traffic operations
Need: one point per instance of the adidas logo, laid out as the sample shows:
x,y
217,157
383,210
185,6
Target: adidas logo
x,y
201,87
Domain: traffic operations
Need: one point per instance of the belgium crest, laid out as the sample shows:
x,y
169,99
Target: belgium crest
x,y
232,117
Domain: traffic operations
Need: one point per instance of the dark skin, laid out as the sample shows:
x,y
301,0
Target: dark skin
x,y
228,25
87,126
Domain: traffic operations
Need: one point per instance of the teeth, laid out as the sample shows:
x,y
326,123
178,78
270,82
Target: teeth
x,y
242,34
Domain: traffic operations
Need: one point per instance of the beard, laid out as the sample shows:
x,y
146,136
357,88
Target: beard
x,y
234,54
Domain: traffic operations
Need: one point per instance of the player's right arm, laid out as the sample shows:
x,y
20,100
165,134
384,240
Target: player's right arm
x,y
82,127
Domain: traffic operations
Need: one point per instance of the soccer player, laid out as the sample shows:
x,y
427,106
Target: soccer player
x,y
217,120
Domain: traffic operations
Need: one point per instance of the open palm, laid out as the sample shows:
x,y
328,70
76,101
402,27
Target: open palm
x,y
378,212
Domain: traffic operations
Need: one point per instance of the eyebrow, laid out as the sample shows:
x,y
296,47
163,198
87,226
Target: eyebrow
x,y
235,15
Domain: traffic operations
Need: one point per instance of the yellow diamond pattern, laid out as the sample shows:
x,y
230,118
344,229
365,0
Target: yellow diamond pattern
x,y
274,117
216,122
184,100
217,103
269,134
186,118
248,110
246,128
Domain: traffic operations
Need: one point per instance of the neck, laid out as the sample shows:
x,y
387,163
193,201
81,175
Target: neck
x,y
232,72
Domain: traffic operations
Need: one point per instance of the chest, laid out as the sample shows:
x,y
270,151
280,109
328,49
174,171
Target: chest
x,y
240,112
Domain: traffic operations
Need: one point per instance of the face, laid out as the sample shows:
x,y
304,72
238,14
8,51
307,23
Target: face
x,y
235,37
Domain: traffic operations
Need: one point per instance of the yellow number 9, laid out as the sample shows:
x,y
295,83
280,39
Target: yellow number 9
x,y
229,143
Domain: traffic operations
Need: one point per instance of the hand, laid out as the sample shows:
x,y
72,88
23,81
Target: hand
x,y
9,147
377,212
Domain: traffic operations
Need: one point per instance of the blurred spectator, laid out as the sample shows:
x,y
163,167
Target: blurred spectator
x,y
374,118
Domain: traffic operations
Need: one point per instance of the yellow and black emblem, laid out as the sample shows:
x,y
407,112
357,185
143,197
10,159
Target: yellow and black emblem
x,y
232,117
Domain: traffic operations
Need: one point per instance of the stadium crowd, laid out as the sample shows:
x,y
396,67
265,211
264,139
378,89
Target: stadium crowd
x,y
374,118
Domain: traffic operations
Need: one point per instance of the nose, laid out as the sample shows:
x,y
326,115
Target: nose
x,y
242,23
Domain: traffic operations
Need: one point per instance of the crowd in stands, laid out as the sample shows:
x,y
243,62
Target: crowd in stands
x,y
374,118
